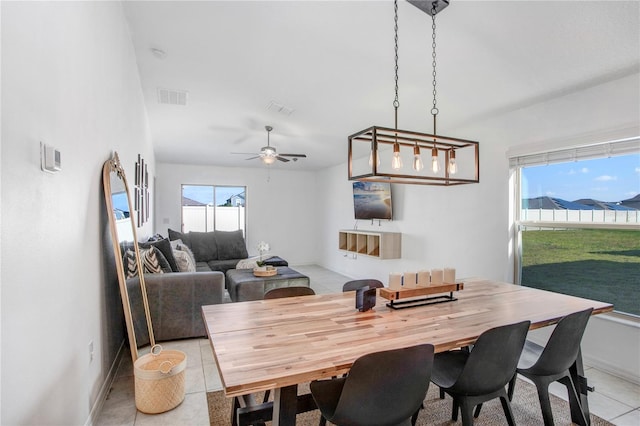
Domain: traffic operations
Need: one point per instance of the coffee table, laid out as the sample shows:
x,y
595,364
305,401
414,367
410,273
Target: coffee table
x,y
244,286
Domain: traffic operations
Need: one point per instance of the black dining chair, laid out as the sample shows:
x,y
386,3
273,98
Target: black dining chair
x,y
481,374
545,365
382,389
280,292
356,284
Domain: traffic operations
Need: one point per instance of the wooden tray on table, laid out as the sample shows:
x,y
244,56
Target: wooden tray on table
x,y
258,272
420,296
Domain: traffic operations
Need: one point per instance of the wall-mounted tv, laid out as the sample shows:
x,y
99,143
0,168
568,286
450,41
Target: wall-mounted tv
x,y
372,200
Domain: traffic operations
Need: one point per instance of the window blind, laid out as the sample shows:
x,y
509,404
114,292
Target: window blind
x,y
585,152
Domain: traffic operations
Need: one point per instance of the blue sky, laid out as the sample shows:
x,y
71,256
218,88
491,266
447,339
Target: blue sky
x,y
605,179
204,194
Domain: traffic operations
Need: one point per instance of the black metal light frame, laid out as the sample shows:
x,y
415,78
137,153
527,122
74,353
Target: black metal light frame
x,y
377,136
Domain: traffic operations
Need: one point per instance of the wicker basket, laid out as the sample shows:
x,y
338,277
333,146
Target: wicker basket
x,y
159,380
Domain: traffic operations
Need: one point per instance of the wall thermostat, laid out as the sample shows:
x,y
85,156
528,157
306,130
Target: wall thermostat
x,y
50,159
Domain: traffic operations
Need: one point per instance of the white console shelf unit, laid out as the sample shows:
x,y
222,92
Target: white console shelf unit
x,y
382,245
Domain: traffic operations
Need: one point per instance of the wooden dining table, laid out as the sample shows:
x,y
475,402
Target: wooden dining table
x,y
280,343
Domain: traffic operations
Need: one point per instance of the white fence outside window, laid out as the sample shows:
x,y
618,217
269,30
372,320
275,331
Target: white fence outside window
x,y
201,218
586,216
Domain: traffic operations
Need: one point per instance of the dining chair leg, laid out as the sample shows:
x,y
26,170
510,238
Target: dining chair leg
x,y
512,386
441,394
574,398
234,410
506,406
467,412
323,421
414,418
477,412
454,410
543,396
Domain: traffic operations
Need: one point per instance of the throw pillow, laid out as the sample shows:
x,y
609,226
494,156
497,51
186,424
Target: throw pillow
x,y
179,245
231,245
149,259
175,235
203,245
165,248
249,263
184,261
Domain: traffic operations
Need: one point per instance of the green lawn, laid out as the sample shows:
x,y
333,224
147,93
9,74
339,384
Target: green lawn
x,y
592,263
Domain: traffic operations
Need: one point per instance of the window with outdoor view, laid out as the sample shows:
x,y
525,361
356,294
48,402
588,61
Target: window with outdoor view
x,y
213,207
579,223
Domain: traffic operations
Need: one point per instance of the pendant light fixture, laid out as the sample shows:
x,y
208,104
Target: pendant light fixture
x,y
377,143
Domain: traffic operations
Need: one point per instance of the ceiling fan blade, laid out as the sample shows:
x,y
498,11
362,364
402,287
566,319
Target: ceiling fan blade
x,y
241,139
252,158
244,153
294,155
285,160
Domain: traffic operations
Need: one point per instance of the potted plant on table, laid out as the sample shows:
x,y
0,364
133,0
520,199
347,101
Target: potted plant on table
x,y
263,269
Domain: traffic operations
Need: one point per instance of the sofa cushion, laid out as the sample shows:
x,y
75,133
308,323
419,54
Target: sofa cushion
x,y
222,265
203,266
165,248
203,245
231,245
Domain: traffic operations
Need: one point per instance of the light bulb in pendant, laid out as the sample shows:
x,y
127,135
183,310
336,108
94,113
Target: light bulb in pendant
x,y
417,161
396,162
453,167
435,167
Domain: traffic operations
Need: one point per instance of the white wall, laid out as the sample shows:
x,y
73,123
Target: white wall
x,y
69,79
282,206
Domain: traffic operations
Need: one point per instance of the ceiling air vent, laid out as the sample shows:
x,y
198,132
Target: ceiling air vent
x,y
172,97
279,108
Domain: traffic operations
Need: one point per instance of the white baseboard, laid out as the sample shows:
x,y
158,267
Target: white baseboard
x,y
610,368
104,389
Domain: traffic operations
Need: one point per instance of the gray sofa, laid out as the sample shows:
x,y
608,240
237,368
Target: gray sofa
x,y
175,301
215,250
175,298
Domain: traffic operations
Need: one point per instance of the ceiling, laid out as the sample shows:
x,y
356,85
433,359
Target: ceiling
x,y
330,64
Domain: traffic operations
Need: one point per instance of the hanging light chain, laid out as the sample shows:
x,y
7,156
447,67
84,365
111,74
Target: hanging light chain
x,y
434,110
396,103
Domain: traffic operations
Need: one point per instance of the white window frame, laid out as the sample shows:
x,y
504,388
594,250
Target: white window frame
x,y
563,152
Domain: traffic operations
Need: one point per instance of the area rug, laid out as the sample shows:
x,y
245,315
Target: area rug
x,y
525,406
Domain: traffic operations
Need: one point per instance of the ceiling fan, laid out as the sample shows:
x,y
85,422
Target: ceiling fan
x,y
268,153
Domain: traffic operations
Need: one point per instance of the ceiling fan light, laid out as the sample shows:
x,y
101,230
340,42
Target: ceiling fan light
x,y
267,159
268,151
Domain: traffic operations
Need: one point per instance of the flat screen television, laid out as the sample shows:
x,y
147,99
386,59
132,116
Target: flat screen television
x,y
372,200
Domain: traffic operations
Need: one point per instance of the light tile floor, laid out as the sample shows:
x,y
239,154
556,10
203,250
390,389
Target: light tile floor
x,y
614,399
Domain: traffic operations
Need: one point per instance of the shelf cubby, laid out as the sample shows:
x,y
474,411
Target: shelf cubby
x,y
381,245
